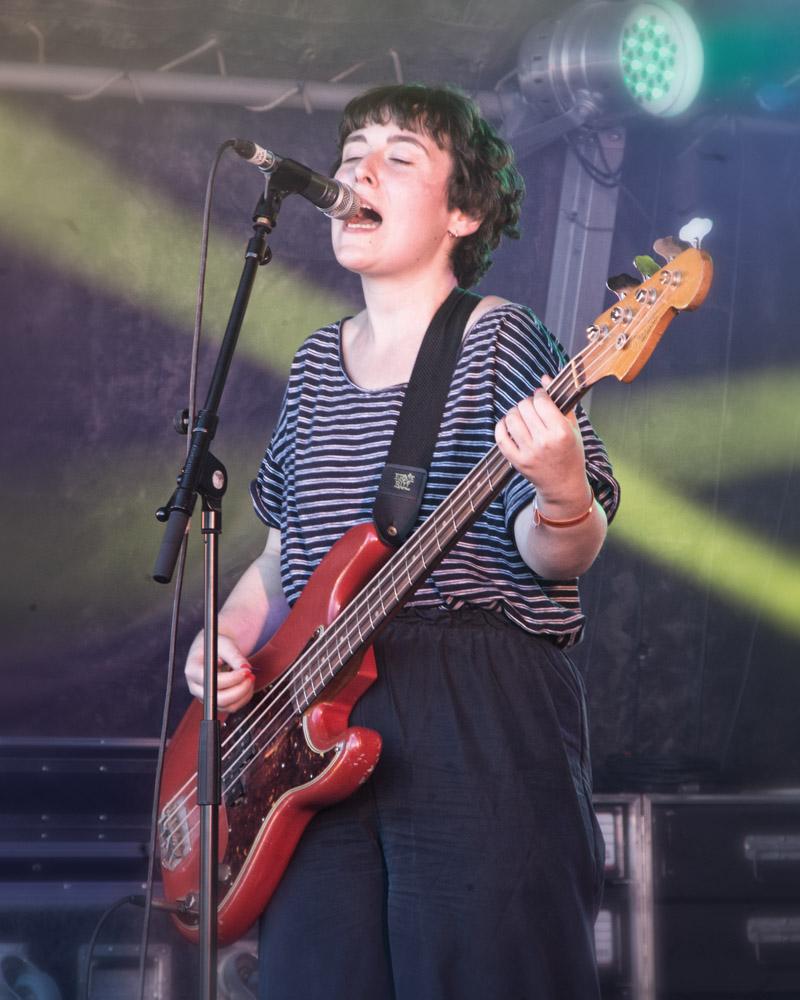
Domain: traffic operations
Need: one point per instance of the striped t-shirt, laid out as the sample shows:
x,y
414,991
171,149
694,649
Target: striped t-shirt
x,y
322,468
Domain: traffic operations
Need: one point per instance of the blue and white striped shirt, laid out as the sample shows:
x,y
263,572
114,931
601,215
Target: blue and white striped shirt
x,y
321,472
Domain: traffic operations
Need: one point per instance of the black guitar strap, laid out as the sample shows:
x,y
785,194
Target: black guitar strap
x,y
406,472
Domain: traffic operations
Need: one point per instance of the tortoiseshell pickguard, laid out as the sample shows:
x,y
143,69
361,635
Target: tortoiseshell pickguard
x,y
287,763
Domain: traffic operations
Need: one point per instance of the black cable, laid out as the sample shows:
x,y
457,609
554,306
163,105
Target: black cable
x,y
176,601
87,965
151,852
605,178
598,146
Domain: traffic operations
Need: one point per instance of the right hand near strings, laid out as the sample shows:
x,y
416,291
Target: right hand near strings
x,y
235,679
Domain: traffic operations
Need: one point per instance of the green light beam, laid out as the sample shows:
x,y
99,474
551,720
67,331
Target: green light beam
x,y
707,430
108,230
707,548
105,557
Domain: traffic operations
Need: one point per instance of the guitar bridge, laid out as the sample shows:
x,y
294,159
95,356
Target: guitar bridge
x,y
174,838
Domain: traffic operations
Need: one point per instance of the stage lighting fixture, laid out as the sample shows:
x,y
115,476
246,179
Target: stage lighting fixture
x,y
609,59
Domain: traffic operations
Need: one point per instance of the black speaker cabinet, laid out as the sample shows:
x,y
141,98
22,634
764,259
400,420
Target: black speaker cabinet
x,y
726,886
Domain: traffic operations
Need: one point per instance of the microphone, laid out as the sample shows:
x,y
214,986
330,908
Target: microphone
x,y
332,197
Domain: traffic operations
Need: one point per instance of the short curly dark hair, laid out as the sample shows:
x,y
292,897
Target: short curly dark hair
x,y
484,183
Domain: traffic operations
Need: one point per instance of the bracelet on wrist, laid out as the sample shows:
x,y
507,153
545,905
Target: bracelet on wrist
x,y
539,518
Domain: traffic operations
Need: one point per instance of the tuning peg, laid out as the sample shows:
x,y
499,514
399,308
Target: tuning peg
x,y
646,266
619,284
669,247
695,231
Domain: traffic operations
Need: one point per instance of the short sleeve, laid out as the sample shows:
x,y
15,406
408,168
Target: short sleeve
x,y
268,489
526,351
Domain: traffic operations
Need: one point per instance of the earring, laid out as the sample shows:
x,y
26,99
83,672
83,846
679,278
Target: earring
x,y
452,235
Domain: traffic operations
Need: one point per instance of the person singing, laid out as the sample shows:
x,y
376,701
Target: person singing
x,y
469,866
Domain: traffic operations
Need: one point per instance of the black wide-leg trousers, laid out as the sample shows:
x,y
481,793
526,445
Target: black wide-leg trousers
x,y
469,866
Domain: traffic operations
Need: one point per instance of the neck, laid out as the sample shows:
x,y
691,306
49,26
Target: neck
x,y
402,309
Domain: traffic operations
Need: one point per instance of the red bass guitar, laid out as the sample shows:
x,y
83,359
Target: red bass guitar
x,y
290,751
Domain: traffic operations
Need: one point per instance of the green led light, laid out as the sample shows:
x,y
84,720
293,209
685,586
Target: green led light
x,y
660,56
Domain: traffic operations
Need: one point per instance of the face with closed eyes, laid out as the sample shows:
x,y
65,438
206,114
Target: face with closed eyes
x,y
401,177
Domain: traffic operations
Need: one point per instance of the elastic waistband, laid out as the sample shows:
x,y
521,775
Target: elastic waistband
x,y
465,617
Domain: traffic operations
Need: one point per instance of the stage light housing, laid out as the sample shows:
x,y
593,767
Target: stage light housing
x,y
612,59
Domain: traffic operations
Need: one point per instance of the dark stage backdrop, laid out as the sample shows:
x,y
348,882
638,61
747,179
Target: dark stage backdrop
x,y
693,648
693,643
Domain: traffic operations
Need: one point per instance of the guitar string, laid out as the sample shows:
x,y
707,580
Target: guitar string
x,y
298,665
277,722
297,669
288,712
565,380
286,681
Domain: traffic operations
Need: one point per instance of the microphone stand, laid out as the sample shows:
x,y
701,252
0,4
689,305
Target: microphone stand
x,y
204,475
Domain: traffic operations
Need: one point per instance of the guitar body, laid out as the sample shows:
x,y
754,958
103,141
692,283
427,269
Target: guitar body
x,y
303,762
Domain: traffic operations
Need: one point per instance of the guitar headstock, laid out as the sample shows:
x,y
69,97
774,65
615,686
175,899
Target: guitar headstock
x,y
623,337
